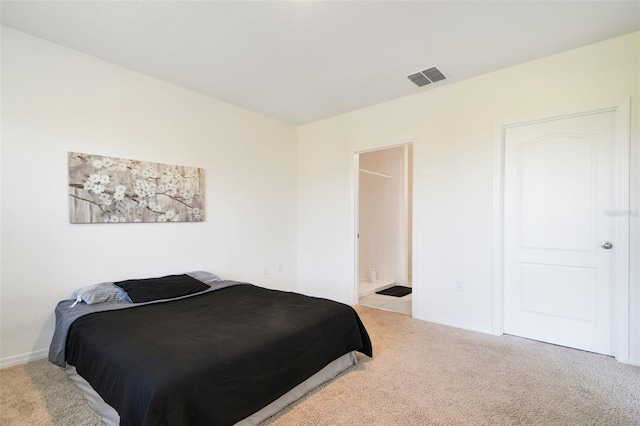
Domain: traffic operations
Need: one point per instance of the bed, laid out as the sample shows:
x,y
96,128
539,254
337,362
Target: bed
x,y
225,353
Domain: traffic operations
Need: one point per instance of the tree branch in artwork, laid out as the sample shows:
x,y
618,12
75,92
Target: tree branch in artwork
x,y
88,201
135,200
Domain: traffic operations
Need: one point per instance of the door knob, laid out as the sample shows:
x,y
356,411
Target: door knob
x,y
606,245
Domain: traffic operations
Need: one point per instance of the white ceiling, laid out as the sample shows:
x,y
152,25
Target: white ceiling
x,y
307,60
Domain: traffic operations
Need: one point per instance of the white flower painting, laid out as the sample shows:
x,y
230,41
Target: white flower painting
x,y
116,190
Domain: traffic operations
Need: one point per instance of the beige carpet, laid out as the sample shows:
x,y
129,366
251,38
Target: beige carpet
x,y
421,374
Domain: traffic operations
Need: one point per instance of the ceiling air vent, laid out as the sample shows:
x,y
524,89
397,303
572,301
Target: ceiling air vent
x,y
425,77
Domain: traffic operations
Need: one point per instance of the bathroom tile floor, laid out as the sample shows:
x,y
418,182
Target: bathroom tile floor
x,y
368,297
366,288
388,303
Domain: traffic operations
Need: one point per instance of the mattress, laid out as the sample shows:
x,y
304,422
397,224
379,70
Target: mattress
x,y
216,358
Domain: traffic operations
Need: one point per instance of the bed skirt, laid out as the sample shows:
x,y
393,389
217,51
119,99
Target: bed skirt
x,y
110,416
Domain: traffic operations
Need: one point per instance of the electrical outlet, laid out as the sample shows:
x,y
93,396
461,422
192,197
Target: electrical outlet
x,y
280,268
459,286
265,271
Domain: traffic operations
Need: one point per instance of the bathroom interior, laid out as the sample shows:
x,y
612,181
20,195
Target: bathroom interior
x,y
385,204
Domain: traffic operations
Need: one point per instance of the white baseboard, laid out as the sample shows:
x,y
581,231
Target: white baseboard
x,y
13,360
635,362
456,324
488,330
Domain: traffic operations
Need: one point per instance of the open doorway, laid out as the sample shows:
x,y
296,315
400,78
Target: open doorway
x,y
384,222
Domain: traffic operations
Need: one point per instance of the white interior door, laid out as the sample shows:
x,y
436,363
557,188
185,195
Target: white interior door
x,y
557,186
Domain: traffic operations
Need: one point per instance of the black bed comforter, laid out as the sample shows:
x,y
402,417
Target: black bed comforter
x,y
213,358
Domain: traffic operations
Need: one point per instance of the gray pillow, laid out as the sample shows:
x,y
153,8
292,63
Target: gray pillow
x,y
206,277
99,293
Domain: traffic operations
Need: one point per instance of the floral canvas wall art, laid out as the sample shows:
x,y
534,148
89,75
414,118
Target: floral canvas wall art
x,y
115,190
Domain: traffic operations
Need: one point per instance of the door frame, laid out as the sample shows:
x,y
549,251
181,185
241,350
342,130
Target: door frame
x,y
355,215
620,297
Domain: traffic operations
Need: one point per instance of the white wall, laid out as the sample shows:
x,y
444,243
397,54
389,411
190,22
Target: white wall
x,y
56,100
454,127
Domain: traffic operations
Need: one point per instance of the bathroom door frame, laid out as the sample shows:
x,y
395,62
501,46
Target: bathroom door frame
x,y
355,202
